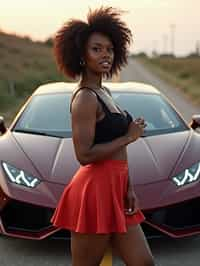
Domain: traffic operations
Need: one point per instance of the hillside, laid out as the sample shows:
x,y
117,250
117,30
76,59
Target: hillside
x,y
24,65
182,73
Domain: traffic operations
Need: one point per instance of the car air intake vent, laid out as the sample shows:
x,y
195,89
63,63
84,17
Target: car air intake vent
x,y
185,215
25,217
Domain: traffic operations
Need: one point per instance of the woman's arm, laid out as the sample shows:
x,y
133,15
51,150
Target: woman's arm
x,y
84,109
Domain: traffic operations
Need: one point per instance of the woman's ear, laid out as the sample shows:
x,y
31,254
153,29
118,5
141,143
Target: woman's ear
x,y
82,62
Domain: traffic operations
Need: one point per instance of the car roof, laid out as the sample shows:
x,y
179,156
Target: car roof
x,y
60,87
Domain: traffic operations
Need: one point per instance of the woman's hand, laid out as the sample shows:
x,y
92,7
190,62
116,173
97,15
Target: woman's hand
x,y
140,121
131,202
136,129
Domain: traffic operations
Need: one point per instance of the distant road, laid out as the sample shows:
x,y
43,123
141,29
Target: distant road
x,y
137,72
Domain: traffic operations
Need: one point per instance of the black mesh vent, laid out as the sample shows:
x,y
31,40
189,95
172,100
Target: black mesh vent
x,y
26,217
185,215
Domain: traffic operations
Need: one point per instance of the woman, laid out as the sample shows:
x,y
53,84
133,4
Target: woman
x,y
99,205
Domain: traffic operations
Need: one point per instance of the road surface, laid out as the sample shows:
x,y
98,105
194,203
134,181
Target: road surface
x,y
137,72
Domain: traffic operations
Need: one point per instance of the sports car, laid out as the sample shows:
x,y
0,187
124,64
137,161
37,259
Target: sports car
x,y
37,161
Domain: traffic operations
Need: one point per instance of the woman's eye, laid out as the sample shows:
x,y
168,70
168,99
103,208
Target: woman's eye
x,y
96,49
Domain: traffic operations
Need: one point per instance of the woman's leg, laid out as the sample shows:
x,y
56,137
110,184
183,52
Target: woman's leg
x,y
88,249
132,247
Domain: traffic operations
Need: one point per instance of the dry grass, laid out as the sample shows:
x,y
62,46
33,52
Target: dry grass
x,y
180,72
24,65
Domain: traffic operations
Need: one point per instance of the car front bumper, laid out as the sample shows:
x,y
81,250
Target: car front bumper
x,y
172,210
26,213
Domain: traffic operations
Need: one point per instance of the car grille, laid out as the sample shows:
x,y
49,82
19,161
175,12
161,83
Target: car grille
x,y
182,216
19,217
151,232
25,217
32,221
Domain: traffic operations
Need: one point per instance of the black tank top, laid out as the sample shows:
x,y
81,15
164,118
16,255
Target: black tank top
x,y
112,126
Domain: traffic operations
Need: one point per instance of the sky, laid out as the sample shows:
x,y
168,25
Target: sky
x,y
161,25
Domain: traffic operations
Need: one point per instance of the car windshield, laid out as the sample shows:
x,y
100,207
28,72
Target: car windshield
x,y
159,115
48,114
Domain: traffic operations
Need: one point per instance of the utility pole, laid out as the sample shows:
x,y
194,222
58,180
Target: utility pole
x,y
198,48
172,29
154,49
165,41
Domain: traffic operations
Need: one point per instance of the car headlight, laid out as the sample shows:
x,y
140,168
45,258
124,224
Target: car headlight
x,y
19,177
190,175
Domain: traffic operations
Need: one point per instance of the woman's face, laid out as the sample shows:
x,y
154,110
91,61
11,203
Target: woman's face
x,y
99,54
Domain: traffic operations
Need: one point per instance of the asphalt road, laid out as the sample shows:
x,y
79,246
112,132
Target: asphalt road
x,y
167,252
137,72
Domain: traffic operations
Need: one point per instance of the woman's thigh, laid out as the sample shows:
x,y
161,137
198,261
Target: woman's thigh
x,y
132,247
88,249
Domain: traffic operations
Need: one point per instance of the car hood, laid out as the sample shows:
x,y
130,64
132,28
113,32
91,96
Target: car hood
x,y
52,157
157,158
151,159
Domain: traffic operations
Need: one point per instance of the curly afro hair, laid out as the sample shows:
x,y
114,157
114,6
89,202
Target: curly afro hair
x,y
70,40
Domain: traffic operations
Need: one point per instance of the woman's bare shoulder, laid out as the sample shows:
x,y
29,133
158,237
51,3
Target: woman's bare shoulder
x,y
84,98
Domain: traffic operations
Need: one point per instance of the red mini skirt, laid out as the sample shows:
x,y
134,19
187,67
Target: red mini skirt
x,y
93,202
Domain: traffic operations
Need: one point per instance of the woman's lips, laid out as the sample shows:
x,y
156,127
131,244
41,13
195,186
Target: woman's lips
x,y
105,64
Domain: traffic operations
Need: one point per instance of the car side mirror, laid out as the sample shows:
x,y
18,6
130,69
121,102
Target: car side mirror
x,y
3,128
195,123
